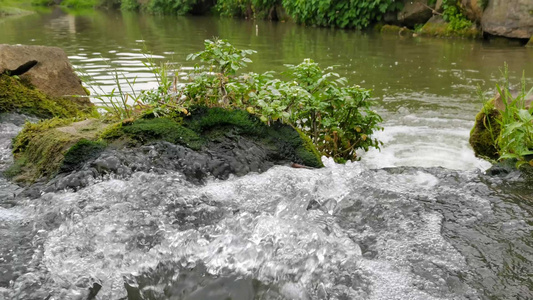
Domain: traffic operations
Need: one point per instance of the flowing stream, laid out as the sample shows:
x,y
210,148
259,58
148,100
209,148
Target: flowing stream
x,y
418,220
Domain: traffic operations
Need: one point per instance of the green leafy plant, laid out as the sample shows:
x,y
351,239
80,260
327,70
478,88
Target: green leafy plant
x,y
210,83
516,137
336,117
455,17
129,5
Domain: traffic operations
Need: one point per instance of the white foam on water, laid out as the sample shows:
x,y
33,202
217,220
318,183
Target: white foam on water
x,y
259,225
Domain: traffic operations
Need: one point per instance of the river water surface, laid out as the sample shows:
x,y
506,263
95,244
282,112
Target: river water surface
x,y
416,220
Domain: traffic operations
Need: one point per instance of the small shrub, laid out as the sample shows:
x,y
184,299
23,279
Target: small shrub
x,y
337,118
453,14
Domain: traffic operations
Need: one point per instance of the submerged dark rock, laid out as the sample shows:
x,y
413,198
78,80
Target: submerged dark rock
x,y
192,281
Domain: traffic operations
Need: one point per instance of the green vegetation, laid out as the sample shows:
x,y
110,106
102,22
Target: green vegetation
x,y
455,17
147,130
486,129
80,152
312,109
337,118
260,9
343,14
13,8
79,3
397,30
504,128
515,140
175,7
454,23
40,148
17,95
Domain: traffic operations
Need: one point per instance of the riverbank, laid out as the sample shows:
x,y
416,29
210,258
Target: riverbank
x,y
443,18
10,9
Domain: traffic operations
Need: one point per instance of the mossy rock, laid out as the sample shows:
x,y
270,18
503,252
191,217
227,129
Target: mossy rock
x,y
40,148
485,131
442,29
21,97
396,30
144,131
62,145
81,152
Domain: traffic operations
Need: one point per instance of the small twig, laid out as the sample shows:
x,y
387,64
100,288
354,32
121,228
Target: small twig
x,y
430,8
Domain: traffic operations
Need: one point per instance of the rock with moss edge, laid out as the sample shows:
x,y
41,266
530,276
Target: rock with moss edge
x,y
210,142
485,131
18,95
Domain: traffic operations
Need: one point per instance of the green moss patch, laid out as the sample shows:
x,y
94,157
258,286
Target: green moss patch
x,y
40,148
444,30
149,130
81,152
19,96
397,30
203,119
485,131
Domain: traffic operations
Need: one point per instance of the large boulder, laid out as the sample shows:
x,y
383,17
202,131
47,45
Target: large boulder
x,y
414,12
52,75
509,18
472,9
209,142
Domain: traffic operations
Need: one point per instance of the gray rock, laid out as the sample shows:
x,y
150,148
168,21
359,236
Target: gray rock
x,y
509,18
53,74
107,164
414,12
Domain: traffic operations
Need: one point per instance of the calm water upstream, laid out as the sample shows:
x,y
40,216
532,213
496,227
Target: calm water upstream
x,y
417,220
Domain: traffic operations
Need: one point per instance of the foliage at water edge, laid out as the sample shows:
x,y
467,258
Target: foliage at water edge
x,y
506,132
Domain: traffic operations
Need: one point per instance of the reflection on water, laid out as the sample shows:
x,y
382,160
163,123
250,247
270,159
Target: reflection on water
x,y
425,88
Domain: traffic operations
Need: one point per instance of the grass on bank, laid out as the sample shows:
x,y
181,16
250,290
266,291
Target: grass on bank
x,y
504,127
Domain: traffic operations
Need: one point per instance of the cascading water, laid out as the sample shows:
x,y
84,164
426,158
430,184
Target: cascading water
x,y
341,232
